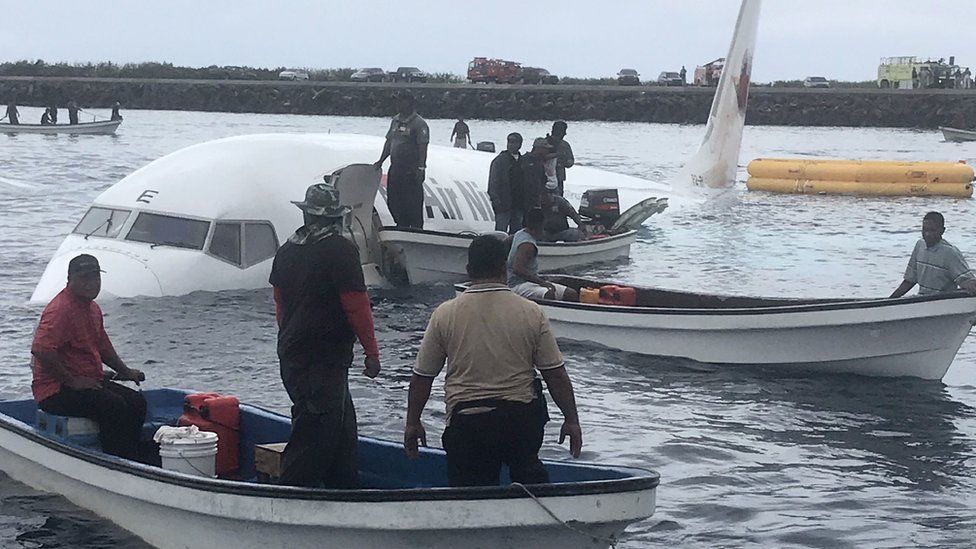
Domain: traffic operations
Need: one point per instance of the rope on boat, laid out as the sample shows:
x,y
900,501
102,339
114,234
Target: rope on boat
x,y
612,540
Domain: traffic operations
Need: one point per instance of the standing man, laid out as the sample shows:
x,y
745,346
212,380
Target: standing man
x,y
523,264
534,177
461,134
564,153
406,147
72,112
69,348
116,115
321,307
493,342
505,186
936,266
13,115
684,75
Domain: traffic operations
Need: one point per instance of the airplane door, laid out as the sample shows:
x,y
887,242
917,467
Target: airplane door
x,y
357,185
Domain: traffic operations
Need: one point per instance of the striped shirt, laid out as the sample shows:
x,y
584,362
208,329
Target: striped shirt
x,y
938,268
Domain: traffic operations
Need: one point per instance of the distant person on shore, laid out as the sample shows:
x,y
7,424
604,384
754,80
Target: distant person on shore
x,y
558,211
46,118
505,189
69,348
406,147
534,178
523,263
684,75
73,112
53,110
321,308
493,344
936,266
564,153
116,115
13,115
461,136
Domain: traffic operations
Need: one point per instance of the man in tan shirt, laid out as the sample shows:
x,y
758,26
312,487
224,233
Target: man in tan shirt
x,y
493,342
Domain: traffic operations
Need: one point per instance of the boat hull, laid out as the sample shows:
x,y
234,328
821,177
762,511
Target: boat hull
x,y
150,502
915,337
105,127
953,135
429,256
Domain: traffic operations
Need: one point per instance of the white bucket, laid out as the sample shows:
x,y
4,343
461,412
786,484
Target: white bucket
x,y
192,452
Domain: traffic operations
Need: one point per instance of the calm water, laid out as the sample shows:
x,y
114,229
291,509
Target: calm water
x,y
747,458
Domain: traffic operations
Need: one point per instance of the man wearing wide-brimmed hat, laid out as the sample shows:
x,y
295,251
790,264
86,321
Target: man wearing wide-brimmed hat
x,y
321,306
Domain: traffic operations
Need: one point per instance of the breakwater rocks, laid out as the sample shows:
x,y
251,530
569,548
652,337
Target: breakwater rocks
x,y
767,106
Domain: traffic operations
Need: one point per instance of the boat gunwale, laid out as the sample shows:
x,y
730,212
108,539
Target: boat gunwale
x,y
801,305
79,124
641,480
472,236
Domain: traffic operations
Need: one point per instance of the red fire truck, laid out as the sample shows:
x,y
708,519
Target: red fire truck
x,y
496,71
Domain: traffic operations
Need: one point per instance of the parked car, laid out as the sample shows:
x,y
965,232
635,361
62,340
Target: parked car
x,y
292,75
669,79
369,74
816,82
408,74
536,75
628,77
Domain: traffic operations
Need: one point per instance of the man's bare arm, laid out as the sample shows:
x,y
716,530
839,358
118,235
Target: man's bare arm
x,y
902,289
561,389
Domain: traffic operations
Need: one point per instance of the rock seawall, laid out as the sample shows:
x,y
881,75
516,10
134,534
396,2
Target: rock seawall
x,y
767,106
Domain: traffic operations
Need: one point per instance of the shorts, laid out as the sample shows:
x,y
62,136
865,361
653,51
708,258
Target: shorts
x,y
532,290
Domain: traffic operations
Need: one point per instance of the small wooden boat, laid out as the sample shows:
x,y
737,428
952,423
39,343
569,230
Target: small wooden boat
x,y
403,503
102,127
953,135
911,336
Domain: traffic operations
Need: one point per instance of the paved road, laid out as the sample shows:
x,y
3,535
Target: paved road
x,y
567,88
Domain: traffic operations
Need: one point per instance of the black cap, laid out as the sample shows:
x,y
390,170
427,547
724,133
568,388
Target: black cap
x,y
84,263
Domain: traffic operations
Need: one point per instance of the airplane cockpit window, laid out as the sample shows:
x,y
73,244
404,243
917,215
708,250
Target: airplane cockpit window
x,y
168,230
106,222
260,242
226,242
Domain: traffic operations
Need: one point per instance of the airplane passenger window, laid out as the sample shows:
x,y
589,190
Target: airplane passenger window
x,y
260,243
168,230
226,242
105,222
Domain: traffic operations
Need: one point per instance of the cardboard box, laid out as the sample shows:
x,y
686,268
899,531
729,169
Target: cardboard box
x,y
267,460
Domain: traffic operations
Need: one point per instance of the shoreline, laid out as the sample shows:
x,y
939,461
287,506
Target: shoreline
x,y
838,107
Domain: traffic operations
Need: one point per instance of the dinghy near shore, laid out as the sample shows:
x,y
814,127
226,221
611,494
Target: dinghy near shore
x,y
910,336
101,127
403,503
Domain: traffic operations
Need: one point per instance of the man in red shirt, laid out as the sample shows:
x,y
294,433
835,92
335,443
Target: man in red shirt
x,y
70,346
322,307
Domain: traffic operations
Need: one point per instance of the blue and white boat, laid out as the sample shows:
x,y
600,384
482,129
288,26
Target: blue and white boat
x,y
403,503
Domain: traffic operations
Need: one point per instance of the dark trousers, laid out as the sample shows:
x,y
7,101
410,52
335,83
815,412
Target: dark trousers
x,y
405,196
118,410
322,450
477,445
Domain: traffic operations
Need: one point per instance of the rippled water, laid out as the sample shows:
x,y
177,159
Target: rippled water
x,y
747,457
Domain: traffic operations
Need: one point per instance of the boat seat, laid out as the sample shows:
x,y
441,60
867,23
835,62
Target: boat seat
x,y
76,430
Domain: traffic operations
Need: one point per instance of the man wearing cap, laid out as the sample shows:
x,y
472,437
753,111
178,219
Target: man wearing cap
x,y
534,173
321,306
564,153
406,147
70,345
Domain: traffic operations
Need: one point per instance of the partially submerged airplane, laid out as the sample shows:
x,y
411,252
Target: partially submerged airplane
x,y
211,216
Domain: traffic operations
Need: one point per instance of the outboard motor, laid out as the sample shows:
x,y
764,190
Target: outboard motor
x,y
485,146
601,206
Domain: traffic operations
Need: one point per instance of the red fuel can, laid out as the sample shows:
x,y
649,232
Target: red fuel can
x,y
217,414
612,294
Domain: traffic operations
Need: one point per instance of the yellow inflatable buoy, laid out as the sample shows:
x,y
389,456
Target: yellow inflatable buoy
x,y
867,177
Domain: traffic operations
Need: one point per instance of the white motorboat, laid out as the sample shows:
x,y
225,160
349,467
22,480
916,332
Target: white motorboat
x,y
101,127
403,503
912,336
953,135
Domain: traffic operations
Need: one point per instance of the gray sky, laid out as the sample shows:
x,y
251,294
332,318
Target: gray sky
x,y
841,39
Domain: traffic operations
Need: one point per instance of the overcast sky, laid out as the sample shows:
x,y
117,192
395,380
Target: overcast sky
x,y
841,39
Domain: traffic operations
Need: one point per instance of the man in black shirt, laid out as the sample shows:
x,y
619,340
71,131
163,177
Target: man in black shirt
x,y
558,211
505,186
321,306
406,147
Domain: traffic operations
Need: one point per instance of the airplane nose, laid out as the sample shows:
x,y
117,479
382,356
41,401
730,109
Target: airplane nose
x,y
124,276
